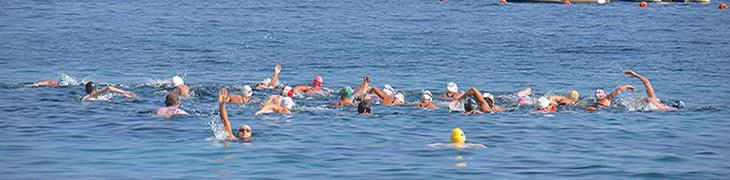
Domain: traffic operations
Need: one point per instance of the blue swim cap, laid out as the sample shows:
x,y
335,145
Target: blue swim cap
x,y
679,104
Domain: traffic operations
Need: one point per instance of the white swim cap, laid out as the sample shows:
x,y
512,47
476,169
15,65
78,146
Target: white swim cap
x,y
247,91
427,96
452,87
177,81
287,103
488,95
285,91
266,81
600,93
387,89
543,102
400,97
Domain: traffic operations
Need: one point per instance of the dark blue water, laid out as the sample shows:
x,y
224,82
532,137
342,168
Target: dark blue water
x,y
413,45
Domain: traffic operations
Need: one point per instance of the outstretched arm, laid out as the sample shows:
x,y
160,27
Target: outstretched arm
x,y
363,87
386,99
108,89
224,114
275,79
618,90
647,84
300,89
271,108
477,96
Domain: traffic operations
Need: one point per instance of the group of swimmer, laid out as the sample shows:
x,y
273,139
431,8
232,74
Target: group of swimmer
x,y
364,95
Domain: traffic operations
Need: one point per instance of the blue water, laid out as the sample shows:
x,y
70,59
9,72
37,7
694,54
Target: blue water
x,y
413,45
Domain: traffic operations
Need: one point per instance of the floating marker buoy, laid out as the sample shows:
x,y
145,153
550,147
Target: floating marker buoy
x,y
643,4
722,6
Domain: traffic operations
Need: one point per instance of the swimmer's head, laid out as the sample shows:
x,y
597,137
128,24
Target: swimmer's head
x,y
177,81
470,105
247,91
346,92
600,93
244,133
488,96
522,101
427,96
285,91
287,103
543,102
457,136
263,84
318,81
364,107
399,97
679,104
573,95
387,89
171,100
90,87
452,87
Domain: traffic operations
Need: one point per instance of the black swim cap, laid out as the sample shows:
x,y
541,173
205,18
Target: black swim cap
x,y
364,107
90,87
171,100
470,105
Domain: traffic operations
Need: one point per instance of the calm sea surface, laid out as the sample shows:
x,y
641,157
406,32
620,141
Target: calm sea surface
x,y
413,45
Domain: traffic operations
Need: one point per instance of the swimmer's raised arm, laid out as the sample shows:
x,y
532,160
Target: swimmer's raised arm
x,y
483,105
618,90
222,98
300,89
363,87
386,99
275,79
108,89
524,92
270,108
647,84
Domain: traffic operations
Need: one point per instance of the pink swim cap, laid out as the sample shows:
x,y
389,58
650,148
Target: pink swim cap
x,y
522,101
318,81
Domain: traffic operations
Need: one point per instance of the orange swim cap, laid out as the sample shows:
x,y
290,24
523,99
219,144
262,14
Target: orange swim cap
x,y
502,1
567,2
591,108
723,6
643,4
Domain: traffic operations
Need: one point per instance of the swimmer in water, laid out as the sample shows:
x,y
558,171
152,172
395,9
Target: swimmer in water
x,y
245,97
544,105
389,96
363,108
278,103
571,99
243,133
181,89
316,88
92,94
345,97
47,83
270,83
452,92
172,107
427,101
603,100
651,98
524,92
485,101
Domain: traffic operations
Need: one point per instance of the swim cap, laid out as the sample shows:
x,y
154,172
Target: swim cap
x,y
287,102
487,95
90,87
247,91
266,81
457,136
600,93
452,87
364,107
387,89
543,102
522,101
470,105
244,133
286,90
573,95
317,81
679,104
346,91
427,96
400,97
177,81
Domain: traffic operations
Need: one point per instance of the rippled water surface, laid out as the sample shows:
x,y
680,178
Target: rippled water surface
x,y
413,45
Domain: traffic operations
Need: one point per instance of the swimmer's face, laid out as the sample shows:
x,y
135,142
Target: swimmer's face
x,y
260,85
244,133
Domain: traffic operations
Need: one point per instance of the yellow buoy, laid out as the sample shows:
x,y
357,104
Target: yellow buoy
x,y
457,136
